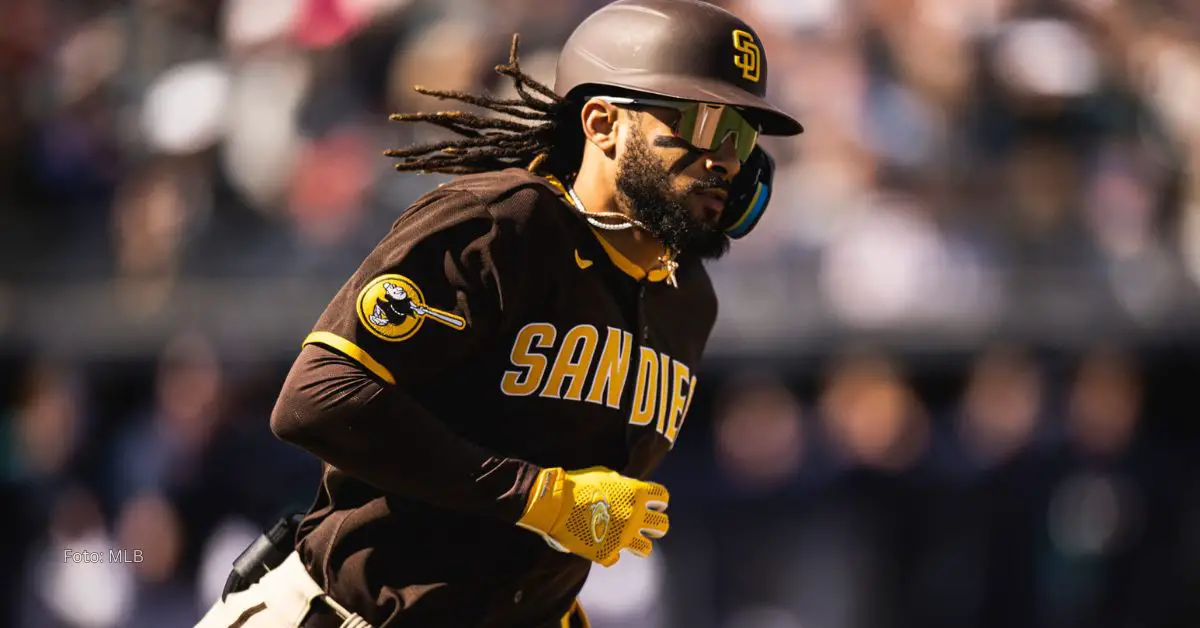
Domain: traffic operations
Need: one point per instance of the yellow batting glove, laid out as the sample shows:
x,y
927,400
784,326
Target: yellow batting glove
x,y
596,513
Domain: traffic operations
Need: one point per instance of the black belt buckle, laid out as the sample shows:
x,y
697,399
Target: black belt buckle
x,y
267,552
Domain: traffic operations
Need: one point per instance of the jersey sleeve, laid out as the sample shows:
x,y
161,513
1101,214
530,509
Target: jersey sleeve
x,y
442,281
439,284
334,409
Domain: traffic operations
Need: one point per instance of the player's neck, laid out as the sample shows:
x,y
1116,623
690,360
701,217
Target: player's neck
x,y
638,246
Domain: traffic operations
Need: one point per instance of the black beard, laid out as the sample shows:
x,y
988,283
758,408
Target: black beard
x,y
644,186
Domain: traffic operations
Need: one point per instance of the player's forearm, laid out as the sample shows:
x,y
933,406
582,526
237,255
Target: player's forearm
x,y
330,407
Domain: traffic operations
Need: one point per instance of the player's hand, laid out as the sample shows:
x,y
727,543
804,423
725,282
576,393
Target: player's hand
x,y
596,513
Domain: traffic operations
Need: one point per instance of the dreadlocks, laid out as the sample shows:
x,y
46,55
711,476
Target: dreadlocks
x,y
531,140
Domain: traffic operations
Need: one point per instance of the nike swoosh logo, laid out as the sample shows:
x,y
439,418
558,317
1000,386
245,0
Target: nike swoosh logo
x,y
582,263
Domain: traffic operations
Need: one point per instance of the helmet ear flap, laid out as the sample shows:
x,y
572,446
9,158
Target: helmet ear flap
x,y
749,195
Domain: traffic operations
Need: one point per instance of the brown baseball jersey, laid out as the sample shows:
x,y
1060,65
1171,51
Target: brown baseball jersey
x,y
490,334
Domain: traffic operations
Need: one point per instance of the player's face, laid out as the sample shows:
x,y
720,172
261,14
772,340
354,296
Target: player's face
x,y
675,190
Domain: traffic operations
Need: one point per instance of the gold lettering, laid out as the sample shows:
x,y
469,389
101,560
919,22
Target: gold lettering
x,y
613,369
646,393
565,366
524,383
664,381
679,400
691,394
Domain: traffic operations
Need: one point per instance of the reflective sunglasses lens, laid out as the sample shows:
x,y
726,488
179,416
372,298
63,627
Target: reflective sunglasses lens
x,y
708,127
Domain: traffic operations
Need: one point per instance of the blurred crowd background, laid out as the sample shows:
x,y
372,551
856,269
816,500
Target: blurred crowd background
x,y
953,382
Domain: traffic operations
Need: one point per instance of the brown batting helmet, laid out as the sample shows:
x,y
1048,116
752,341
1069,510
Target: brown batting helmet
x,y
682,49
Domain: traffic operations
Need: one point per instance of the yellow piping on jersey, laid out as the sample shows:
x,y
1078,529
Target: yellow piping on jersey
x,y
352,351
627,265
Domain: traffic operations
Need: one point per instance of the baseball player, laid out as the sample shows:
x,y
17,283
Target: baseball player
x,y
491,389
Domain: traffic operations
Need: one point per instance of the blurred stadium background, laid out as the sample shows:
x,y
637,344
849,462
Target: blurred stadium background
x,y
954,377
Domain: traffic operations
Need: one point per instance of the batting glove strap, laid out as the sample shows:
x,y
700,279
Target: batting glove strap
x,y
596,513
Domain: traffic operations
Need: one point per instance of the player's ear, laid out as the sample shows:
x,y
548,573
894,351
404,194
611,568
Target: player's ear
x,y
599,120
